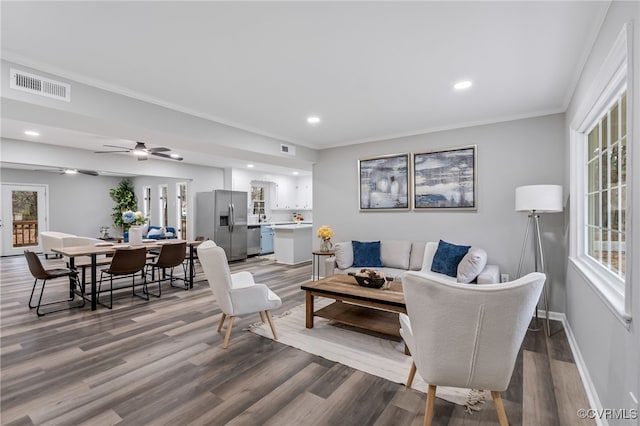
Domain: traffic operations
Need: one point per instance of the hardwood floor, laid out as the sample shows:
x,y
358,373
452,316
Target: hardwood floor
x,y
162,362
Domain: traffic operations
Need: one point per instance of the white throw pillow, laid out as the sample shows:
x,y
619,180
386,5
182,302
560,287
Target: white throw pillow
x,y
417,256
395,254
471,265
145,229
155,232
429,251
344,254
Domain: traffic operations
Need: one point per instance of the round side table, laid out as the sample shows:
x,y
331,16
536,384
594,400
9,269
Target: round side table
x,y
315,267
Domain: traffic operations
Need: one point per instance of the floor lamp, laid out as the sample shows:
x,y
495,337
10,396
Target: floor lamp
x,y
536,199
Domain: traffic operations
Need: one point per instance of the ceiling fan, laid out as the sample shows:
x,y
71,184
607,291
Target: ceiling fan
x,y
71,171
142,152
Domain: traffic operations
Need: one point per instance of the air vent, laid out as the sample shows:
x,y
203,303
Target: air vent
x,y
38,85
287,149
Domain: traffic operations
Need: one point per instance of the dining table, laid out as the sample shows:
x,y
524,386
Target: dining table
x,y
93,251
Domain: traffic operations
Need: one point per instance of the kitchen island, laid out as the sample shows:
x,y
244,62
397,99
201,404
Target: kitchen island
x,y
292,243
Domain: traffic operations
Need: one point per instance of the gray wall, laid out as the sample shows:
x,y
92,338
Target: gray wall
x,y
510,154
78,204
610,350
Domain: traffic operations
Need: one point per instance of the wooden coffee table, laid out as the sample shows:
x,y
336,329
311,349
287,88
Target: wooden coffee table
x,y
367,308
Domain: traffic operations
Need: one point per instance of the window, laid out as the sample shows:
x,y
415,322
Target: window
x,y
164,217
601,141
606,188
181,209
257,198
147,203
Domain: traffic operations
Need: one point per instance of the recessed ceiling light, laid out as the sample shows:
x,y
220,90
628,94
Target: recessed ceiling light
x,y
71,171
313,119
461,85
251,166
295,173
31,133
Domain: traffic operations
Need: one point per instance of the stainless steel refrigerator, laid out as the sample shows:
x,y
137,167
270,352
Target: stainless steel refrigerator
x,y
221,216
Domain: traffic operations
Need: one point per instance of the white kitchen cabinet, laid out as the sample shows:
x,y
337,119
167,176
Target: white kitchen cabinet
x,y
304,193
292,244
289,193
283,193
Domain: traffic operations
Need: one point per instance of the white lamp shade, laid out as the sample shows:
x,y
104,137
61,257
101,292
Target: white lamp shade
x,y
541,198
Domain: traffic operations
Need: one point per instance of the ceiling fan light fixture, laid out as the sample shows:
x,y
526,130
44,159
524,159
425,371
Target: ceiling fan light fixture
x,y
140,149
461,85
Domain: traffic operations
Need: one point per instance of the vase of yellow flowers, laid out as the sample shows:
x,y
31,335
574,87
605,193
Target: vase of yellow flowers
x,y
325,233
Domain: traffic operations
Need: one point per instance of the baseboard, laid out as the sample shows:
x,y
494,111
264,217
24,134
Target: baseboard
x,y
589,387
556,316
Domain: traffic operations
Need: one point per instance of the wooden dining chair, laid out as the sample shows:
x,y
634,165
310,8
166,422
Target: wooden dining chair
x,y
171,255
40,273
125,262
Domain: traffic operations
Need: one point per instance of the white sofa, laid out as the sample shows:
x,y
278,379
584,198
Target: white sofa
x,y
400,256
51,240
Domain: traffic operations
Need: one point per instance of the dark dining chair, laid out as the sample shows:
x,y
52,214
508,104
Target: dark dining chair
x,y
171,255
40,273
125,262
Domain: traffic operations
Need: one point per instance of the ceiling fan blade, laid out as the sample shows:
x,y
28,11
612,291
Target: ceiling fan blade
x,y
117,146
108,152
161,149
159,154
88,172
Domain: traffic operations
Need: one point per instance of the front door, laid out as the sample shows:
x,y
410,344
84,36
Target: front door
x,y
24,209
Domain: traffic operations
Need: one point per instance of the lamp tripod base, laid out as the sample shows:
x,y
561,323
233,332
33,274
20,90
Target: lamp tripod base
x,y
534,223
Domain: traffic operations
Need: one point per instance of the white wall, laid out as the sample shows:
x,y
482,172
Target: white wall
x,y
78,204
510,154
610,351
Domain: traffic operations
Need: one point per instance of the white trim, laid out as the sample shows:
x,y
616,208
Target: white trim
x,y
612,298
617,59
613,77
589,387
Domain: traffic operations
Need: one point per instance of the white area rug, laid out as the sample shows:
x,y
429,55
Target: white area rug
x,y
373,355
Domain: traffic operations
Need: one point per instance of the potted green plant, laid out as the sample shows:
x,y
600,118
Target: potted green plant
x,y
125,200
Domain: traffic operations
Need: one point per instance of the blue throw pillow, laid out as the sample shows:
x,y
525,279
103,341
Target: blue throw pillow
x,y
447,257
366,254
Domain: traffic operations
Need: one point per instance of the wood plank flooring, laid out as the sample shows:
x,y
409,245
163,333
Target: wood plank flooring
x,y
162,362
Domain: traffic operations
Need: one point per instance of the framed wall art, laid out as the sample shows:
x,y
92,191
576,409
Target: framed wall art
x,y
446,180
384,183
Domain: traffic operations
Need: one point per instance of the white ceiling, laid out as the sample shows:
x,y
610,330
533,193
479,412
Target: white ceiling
x,y
370,70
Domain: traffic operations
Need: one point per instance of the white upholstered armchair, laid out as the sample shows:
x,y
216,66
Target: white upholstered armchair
x,y
237,294
466,335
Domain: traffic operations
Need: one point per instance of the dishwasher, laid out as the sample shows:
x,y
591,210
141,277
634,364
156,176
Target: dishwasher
x,y
253,240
